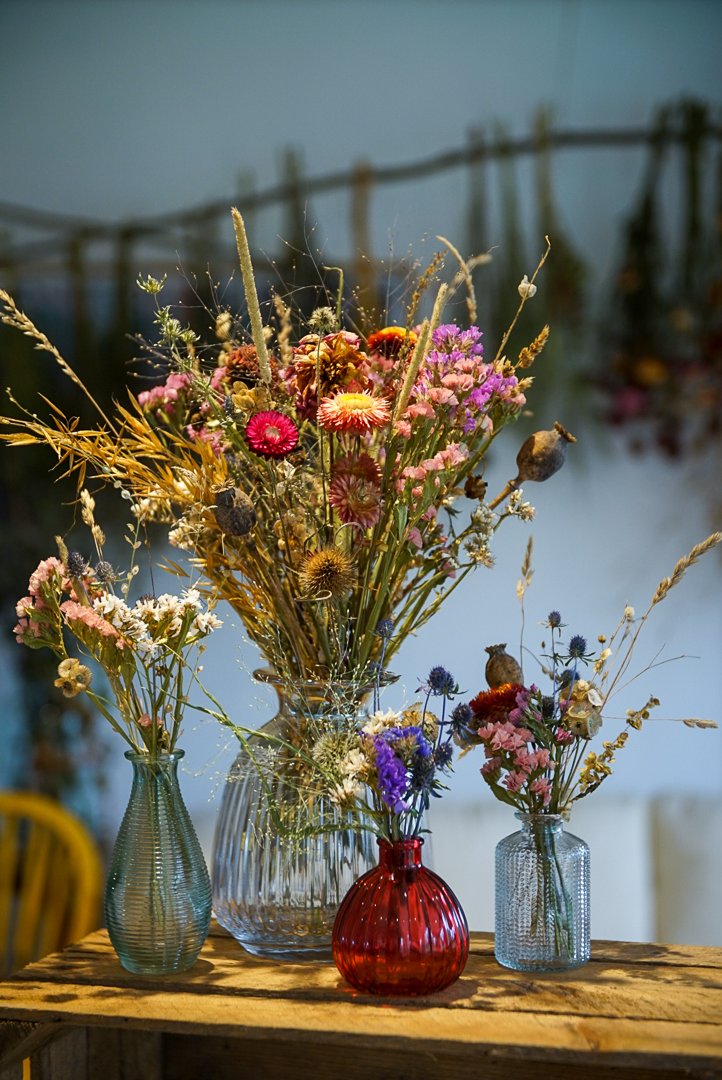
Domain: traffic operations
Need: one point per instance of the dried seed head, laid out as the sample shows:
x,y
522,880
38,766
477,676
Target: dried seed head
x,y
501,668
234,512
326,573
475,488
543,454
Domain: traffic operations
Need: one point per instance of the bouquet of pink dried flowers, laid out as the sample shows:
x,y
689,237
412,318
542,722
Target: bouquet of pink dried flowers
x,y
144,648
537,741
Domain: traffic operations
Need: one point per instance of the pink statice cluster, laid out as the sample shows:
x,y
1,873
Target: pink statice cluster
x,y
44,612
167,402
432,469
514,758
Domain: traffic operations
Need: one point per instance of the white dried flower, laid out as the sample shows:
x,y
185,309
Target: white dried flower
x,y
523,510
526,289
353,764
628,613
381,721
347,792
205,622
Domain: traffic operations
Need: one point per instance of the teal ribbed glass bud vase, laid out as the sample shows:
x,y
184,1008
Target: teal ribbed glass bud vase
x,y
158,893
542,897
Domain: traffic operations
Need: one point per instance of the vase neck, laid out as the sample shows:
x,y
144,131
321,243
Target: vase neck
x,y
328,699
536,823
148,766
400,854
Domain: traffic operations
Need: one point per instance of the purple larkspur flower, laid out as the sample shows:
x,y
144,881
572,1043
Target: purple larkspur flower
x,y
392,777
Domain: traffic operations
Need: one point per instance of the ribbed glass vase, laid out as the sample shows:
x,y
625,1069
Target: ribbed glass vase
x,y
542,897
400,930
158,892
283,859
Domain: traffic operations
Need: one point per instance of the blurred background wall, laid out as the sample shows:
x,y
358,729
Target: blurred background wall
x,y
130,125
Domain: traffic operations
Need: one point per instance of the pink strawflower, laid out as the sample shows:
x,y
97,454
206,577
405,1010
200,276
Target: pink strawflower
x,y
271,434
355,491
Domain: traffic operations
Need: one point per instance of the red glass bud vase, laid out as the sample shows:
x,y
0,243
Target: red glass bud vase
x,y
400,929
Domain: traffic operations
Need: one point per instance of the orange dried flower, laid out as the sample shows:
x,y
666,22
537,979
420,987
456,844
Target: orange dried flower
x,y
356,414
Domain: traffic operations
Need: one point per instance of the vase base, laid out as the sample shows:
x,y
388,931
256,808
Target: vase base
x,y
542,966
289,954
152,969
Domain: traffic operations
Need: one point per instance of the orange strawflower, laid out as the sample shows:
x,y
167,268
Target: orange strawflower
x,y
356,414
390,340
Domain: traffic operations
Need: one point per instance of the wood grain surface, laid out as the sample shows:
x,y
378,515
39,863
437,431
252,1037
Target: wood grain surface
x,y
635,1010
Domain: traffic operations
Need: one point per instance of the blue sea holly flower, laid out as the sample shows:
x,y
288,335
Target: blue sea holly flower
x,y
577,647
441,682
385,629
554,620
443,755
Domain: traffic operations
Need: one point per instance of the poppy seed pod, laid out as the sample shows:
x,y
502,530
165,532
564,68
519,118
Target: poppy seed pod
x,y
502,668
543,454
234,512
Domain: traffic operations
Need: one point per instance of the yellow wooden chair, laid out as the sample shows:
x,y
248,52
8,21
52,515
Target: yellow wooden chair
x,y
50,879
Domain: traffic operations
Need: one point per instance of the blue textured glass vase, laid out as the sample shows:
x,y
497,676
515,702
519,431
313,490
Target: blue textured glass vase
x,y
158,893
542,897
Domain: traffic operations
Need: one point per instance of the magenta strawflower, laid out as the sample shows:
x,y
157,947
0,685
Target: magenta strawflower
x,y
271,434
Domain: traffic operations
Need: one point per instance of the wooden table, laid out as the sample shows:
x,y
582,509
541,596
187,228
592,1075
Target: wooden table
x,y
635,1012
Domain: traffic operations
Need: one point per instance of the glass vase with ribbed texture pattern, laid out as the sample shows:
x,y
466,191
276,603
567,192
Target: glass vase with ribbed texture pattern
x,y
283,861
158,892
400,929
542,897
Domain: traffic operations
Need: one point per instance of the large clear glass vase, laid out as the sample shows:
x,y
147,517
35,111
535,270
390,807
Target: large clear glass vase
x,y
284,858
158,892
542,897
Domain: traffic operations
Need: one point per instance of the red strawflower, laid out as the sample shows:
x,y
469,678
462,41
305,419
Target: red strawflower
x,y
495,704
271,434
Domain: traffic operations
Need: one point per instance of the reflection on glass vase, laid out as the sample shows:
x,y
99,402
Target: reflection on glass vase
x,y
158,893
542,897
278,880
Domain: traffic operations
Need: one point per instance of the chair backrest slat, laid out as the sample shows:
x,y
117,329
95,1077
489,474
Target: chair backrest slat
x,y
50,879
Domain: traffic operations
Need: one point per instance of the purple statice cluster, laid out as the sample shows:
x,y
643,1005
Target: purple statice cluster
x,y
454,375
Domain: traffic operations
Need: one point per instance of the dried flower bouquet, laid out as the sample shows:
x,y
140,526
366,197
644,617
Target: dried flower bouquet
x,y
314,484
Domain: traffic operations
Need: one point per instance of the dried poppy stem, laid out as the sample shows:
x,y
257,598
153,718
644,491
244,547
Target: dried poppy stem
x,y
249,284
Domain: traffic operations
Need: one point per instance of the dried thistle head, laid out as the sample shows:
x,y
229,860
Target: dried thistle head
x,y
327,573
